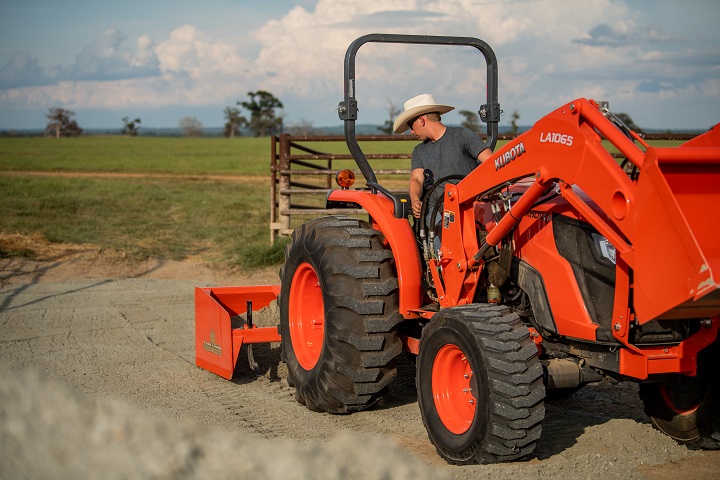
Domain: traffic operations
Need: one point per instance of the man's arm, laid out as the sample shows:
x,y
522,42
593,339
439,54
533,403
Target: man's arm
x,y
416,188
484,155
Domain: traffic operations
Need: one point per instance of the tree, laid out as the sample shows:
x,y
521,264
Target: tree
x,y
263,119
191,126
303,127
472,120
625,118
234,123
61,124
513,122
130,127
393,112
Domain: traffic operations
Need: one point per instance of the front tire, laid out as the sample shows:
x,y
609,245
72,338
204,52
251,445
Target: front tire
x,y
480,387
339,315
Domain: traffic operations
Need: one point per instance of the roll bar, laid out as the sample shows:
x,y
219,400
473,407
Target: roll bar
x,y
348,108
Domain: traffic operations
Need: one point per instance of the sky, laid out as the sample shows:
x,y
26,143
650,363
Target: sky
x,y
160,61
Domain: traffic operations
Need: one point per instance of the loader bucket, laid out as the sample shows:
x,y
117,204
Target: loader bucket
x,y
677,246
217,343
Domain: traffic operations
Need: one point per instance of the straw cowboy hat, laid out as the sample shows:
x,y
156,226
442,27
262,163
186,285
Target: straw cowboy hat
x,y
416,106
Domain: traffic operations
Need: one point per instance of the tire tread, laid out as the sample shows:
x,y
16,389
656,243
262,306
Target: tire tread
x,y
360,295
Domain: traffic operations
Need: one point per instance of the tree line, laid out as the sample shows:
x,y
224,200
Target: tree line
x,y
263,117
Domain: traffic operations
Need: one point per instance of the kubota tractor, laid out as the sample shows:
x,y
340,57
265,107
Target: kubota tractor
x,y
559,265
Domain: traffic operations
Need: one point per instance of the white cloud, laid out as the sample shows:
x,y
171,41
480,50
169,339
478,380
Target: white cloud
x,y
21,69
285,63
108,59
548,54
531,39
188,68
144,51
192,52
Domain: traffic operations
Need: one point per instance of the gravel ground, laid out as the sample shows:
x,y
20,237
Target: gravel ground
x,y
99,380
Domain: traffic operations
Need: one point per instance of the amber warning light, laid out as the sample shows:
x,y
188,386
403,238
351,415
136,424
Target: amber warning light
x,y
345,178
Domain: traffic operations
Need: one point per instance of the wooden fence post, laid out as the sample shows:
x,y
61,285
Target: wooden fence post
x,y
284,183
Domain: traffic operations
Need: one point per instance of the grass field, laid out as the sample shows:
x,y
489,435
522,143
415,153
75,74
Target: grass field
x,y
182,156
184,207
167,217
142,217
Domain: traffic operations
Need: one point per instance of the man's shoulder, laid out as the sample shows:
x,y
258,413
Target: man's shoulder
x,y
461,131
420,147
470,137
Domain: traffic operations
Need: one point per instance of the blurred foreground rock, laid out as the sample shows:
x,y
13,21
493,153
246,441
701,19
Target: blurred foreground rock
x,y
50,431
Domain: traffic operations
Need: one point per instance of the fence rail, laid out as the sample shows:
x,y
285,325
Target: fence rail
x,y
302,174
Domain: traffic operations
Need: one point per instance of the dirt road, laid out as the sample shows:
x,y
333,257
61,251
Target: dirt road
x,y
97,360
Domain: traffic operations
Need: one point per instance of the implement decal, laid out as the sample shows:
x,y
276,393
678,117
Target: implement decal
x,y
509,156
211,346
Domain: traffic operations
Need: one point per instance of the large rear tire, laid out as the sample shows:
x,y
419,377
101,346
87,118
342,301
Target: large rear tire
x,y
688,408
480,386
339,315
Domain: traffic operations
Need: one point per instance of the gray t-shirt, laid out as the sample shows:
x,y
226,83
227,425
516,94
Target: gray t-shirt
x,y
455,153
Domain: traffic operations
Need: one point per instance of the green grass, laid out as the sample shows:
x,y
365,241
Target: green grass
x,y
170,219
183,156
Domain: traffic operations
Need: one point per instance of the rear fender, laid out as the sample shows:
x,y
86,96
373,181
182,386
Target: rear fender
x,y
400,237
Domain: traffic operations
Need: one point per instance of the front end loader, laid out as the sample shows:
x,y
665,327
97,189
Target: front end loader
x,y
576,253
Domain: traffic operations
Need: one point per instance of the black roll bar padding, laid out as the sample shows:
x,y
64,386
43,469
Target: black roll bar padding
x,y
348,108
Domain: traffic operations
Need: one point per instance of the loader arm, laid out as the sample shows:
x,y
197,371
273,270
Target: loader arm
x,y
659,222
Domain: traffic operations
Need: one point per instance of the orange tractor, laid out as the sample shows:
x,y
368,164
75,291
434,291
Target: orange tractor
x,y
559,265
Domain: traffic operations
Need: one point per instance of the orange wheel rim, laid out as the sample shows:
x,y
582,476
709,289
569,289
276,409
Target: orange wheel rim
x,y
452,389
306,316
667,398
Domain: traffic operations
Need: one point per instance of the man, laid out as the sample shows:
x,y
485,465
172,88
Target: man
x,y
444,151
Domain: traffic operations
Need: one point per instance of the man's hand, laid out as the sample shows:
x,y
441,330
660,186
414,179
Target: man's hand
x,y
416,190
416,207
